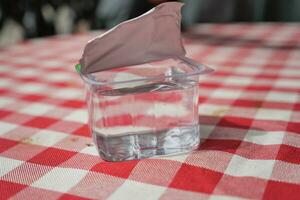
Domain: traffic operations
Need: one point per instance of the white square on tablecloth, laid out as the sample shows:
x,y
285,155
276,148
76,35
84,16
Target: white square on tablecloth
x,y
282,97
5,101
44,53
60,179
91,150
79,115
206,130
220,54
288,83
27,72
286,172
5,67
6,127
8,164
218,80
23,60
47,138
240,81
36,109
214,110
31,88
68,93
4,83
62,76
239,166
273,114
264,137
225,93
137,190
291,71
254,60
52,63
247,70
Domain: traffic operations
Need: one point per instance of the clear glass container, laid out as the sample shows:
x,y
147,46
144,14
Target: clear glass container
x,y
145,110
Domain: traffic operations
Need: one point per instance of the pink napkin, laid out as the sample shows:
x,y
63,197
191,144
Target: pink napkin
x,y
150,37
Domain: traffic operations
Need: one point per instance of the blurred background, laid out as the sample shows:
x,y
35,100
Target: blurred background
x,y
22,19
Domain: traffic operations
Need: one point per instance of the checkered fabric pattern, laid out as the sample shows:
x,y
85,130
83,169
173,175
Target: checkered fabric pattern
x,y
249,113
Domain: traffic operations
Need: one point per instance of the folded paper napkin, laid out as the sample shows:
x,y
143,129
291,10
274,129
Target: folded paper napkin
x,y
150,37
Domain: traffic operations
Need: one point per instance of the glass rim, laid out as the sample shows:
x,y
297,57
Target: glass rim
x,y
198,69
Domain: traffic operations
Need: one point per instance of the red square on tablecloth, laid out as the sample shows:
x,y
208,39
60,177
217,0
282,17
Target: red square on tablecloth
x,y
229,146
73,104
281,190
83,131
4,113
289,154
196,179
8,189
41,122
121,169
6,144
236,122
294,127
33,97
52,157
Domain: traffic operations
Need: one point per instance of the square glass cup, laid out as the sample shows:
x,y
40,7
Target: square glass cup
x,y
145,110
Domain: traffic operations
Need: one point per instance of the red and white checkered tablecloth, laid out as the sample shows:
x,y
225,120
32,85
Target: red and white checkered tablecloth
x,y
249,112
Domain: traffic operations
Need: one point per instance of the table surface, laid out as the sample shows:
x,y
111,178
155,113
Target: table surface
x,y
249,113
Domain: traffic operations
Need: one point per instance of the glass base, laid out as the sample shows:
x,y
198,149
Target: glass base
x,y
144,145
